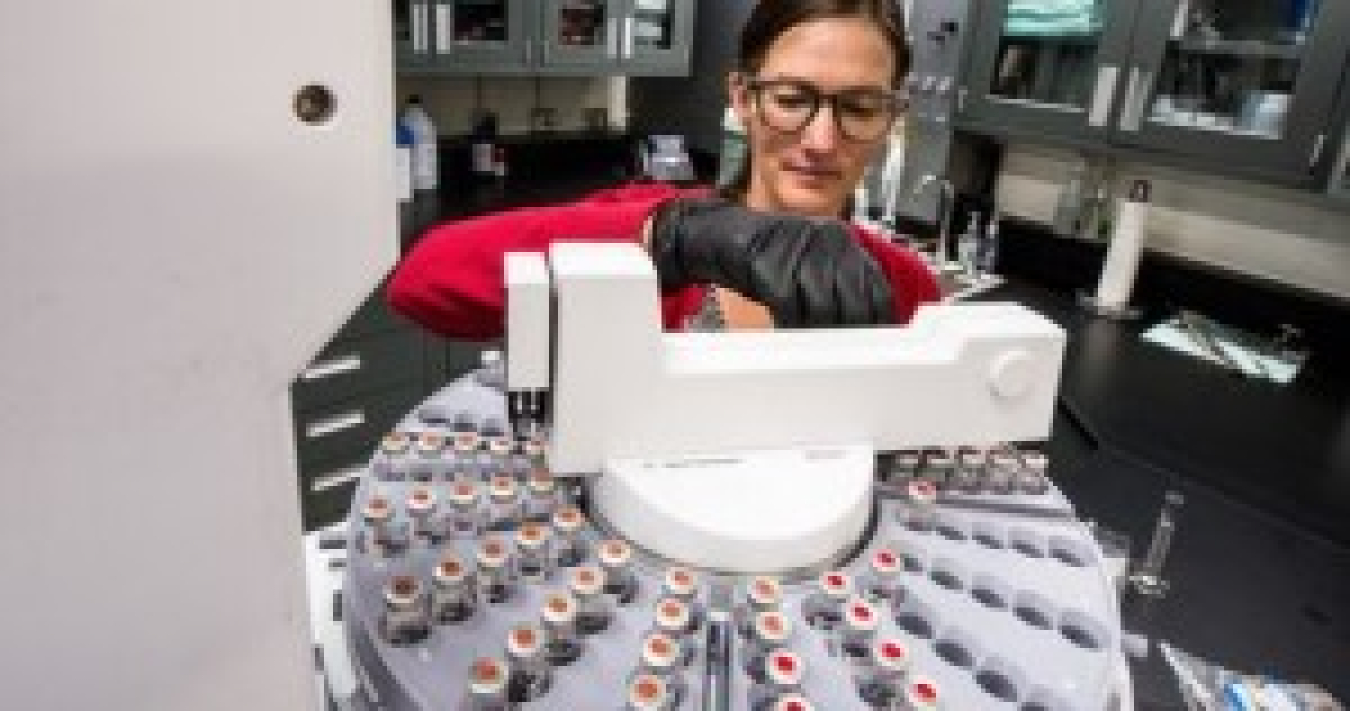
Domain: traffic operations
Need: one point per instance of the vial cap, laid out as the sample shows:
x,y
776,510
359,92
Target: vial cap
x,y
784,668
885,560
487,675
647,691
680,581
615,553
588,580
836,584
890,654
923,693
772,626
763,591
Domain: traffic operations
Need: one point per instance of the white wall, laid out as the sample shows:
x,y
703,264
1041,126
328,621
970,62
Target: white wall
x,y
452,100
1247,227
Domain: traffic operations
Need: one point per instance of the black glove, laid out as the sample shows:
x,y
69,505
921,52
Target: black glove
x,y
806,271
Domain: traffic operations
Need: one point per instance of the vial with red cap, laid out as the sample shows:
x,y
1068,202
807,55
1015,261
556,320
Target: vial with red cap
x,y
660,657
425,511
384,534
453,596
534,557
569,529
503,503
616,558
496,576
648,692
921,495
783,671
771,631
488,679
465,515
682,584
920,694
882,682
405,618
559,618
857,629
824,607
877,583
760,594
671,618
541,495
792,702
594,611
531,674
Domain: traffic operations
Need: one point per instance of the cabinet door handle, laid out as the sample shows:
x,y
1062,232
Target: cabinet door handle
x,y
1135,96
443,27
612,37
333,479
628,37
1105,90
334,424
333,366
419,28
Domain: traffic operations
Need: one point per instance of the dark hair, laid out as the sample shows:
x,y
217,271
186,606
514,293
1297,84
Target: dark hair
x,y
771,18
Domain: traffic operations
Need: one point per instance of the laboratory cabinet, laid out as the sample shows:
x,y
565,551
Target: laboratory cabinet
x,y
1246,87
564,37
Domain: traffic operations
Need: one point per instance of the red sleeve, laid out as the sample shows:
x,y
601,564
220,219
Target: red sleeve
x,y
452,282
912,281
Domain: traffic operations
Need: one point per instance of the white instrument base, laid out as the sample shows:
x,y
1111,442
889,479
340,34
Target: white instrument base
x,y
767,511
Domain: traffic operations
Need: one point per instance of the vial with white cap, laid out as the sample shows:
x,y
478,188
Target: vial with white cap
x,y
782,678
682,584
881,684
877,583
534,557
660,657
1031,478
937,466
968,475
559,617
569,526
496,579
405,619
770,631
453,596
1000,471
921,694
541,496
593,606
616,558
385,534
857,630
503,503
904,466
671,618
488,677
921,494
648,692
761,594
531,674
824,607
466,518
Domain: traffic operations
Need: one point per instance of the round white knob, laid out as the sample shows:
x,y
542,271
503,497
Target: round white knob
x,y
1011,374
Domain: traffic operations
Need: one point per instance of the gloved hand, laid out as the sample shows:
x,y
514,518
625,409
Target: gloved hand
x,y
806,271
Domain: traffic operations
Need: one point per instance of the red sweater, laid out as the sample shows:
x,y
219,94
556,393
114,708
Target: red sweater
x,y
452,282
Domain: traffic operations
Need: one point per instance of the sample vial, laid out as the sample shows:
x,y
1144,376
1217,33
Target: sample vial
x,y
922,497
503,504
466,521
541,495
857,631
672,620
405,611
999,473
487,685
452,592
395,443
593,606
559,617
531,674
616,558
496,580
682,584
969,473
792,702
770,631
782,678
921,694
424,511
534,557
904,466
937,466
648,692
660,658
824,607
385,534
762,594
881,684
1031,478
464,435
569,524
877,584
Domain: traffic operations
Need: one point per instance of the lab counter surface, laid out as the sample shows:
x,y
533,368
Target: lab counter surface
x,y
1260,567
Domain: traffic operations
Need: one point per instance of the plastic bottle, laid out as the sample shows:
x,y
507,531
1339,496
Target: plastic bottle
x,y
1127,245
425,171
403,148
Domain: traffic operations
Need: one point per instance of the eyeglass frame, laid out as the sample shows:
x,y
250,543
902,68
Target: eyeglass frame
x,y
755,86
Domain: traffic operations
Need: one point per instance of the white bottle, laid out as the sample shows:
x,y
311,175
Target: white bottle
x,y
403,149
1127,244
424,164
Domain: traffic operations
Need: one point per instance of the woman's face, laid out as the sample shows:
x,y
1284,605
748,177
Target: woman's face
x,y
812,171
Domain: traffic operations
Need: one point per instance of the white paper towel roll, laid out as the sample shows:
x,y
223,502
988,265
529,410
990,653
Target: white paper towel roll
x,y
1127,244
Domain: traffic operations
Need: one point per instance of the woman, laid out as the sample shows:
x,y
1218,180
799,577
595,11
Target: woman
x,y
816,91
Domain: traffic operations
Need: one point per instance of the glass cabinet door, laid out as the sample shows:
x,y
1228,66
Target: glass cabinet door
x,y
580,32
489,34
1251,79
657,33
1048,65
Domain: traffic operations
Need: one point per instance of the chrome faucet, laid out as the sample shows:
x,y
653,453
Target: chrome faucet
x,y
946,203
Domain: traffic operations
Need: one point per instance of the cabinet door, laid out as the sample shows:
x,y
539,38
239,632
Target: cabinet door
x,y
579,34
412,33
1052,68
656,36
1251,81
481,36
